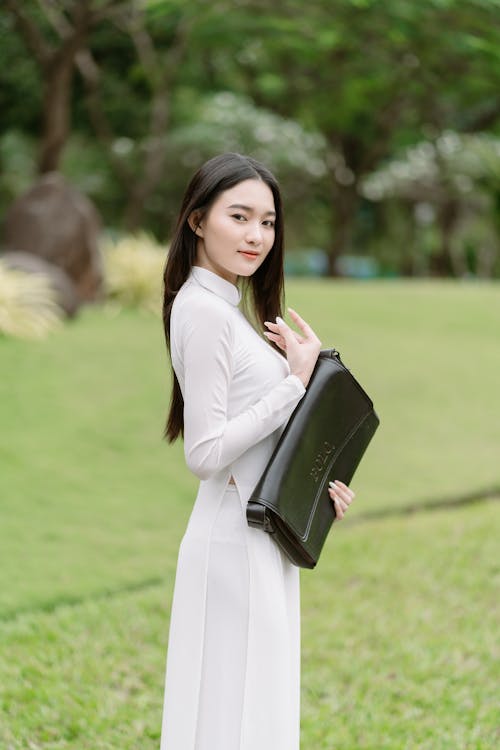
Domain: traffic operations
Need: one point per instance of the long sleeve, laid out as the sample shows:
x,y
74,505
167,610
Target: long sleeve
x,y
211,440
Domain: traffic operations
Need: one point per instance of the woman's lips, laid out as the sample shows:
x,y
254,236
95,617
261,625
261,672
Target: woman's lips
x,y
249,255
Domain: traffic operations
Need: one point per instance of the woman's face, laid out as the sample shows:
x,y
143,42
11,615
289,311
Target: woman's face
x,y
237,232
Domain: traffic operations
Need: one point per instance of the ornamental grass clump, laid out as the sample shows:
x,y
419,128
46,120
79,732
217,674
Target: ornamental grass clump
x,y
28,305
133,269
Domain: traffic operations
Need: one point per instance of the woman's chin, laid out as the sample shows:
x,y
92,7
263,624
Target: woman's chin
x,y
248,267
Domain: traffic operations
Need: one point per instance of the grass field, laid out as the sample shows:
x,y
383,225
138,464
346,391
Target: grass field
x,y
400,619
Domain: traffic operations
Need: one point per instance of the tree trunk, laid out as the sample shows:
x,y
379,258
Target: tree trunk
x,y
154,162
441,264
56,112
345,202
57,68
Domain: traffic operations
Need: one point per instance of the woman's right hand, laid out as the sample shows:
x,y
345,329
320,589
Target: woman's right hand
x,y
302,349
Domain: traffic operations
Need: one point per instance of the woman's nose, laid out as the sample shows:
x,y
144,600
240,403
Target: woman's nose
x,y
254,234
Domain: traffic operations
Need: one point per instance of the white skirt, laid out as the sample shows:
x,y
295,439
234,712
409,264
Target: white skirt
x,y
233,661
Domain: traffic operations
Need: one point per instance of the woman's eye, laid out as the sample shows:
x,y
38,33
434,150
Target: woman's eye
x,y
239,217
269,223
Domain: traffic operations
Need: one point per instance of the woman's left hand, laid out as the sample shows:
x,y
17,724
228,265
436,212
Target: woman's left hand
x,y
341,496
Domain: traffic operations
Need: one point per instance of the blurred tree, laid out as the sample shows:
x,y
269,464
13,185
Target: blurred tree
x,y
158,59
370,75
448,185
58,35
228,122
55,55
20,89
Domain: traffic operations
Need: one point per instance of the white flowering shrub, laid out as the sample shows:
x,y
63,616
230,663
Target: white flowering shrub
x,y
229,122
454,163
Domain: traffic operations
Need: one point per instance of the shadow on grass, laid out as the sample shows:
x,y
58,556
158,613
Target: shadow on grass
x,y
455,502
74,601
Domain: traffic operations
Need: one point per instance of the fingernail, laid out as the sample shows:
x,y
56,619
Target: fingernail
x,y
331,484
279,320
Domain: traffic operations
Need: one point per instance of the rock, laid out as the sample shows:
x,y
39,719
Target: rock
x,y
57,223
66,294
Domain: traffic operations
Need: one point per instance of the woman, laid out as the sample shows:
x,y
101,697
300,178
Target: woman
x,y
233,664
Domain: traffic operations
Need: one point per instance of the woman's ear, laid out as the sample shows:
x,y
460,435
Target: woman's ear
x,y
194,222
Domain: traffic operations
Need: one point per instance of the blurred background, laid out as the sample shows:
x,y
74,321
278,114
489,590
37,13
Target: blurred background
x,y
381,120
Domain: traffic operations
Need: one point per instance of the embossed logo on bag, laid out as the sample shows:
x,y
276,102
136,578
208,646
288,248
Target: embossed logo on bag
x,y
320,460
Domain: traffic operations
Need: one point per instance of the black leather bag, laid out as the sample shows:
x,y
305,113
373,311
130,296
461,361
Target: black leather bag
x,y
325,439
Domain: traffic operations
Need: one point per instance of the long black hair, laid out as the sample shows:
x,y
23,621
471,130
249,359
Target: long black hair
x,y
263,291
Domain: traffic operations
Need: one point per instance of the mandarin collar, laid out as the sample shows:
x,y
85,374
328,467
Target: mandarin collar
x,y
215,283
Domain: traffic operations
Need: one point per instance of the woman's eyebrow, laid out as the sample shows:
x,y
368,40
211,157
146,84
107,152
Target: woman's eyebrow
x,y
249,208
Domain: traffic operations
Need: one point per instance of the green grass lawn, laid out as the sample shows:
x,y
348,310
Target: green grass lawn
x,y
399,617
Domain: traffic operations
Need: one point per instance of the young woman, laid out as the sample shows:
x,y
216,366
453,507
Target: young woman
x,y
233,663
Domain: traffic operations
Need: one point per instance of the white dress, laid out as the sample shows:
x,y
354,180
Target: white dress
x,y
233,660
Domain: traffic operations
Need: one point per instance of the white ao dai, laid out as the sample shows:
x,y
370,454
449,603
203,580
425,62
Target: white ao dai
x,y
233,661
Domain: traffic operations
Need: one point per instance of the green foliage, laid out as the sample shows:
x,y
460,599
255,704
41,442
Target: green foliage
x,y
20,79
371,77
17,165
358,68
133,271
28,306
87,165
